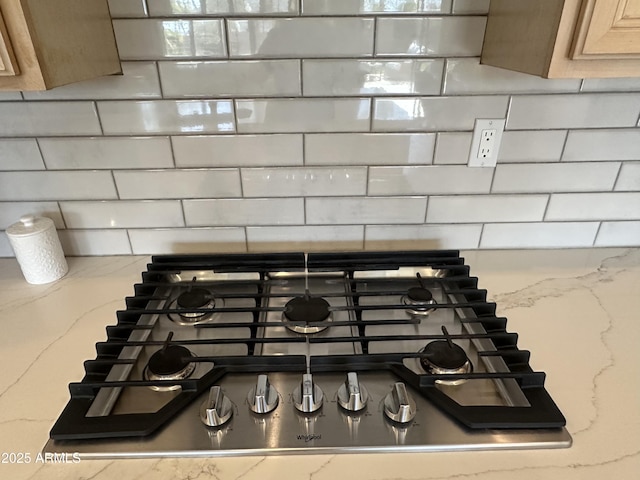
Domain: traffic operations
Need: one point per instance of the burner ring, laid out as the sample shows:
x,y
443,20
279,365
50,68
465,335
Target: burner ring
x,y
444,358
420,302
309,313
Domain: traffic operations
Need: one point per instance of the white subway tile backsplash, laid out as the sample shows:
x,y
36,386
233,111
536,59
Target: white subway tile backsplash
x,y
538,235
106,152
364,7
608,144
532,146
486,208
94,242
587,110
453,148
611,85
428,180
155,39
464,76
10,212
555,177
176,184
122,214
128,8
166,117
629,178
466,7
20,154
305,238
436,113
279,78
238,150
369,148
430,36
365,210
138,80
372,77
303,182
264,125
594,206
301,37
421,237
84,185
187,240
223,7
618,234
29,119
303,115
245,211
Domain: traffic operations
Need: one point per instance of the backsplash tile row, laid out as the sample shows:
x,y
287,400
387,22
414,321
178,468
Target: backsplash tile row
x,y
246,125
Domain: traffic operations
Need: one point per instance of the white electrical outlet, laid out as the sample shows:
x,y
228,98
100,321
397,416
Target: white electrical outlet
x,y
485,145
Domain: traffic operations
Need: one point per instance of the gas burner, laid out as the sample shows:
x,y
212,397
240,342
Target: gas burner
x,y
311,312
420,299
194,297
171,362
443,357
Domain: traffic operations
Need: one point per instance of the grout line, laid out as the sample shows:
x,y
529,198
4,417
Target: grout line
x,y
546,208
157,64
304,210
234,107
493,179
580,90
595,238
115,184
481,235
225,35
44,162
564,145
240,178
184,215
64,220
372,113
375,37
246,237
615,183
443,80
97,110
304,149
129,240
300,63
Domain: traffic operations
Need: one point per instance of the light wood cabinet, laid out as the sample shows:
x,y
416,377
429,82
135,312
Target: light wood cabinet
x,y
564,38
48,43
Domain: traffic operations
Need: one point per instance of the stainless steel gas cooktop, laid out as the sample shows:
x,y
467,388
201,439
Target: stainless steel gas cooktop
x,y
321,353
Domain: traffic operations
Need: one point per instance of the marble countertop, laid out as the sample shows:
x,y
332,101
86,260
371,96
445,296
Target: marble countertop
x,y
589,298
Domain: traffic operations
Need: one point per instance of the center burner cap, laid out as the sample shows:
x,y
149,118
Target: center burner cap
x,y
195,298
306,310
420,295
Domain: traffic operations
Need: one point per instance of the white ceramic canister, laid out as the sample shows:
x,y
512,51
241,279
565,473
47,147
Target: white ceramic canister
x,y
38,251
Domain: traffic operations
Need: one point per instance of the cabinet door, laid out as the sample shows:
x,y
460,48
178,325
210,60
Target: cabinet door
x,y
608,29
8,64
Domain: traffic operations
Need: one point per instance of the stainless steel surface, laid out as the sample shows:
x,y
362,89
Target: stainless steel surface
x,y
399,406
333,429
353,395
307,396
260,415
217,409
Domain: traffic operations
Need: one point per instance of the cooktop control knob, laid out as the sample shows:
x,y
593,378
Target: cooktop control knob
x,y
263,398
398,404
307,397
217,409
353,395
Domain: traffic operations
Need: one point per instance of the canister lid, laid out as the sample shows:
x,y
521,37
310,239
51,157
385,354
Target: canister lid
x,y
29,225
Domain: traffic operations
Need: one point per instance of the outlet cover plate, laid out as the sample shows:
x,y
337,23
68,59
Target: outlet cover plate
x,y
475,158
